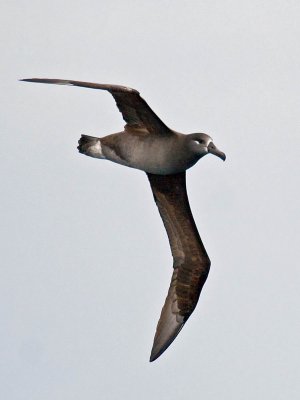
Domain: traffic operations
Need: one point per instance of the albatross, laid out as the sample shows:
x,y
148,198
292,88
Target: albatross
x,y
147,144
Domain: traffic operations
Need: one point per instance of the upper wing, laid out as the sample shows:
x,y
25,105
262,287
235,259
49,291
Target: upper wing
x,y
191,262
133,107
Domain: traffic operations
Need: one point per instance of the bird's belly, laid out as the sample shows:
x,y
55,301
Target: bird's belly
x,y
160,161
152,156
161,166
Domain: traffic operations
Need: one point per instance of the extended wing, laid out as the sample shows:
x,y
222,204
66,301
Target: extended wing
x,y
191,263
135,111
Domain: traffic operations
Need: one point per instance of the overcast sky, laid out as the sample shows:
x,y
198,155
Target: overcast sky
x,y
85,261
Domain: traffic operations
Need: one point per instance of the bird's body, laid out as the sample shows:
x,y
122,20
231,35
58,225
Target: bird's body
x,y
137,148
149,145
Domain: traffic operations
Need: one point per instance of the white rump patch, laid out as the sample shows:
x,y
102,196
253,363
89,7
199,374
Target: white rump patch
x,y
95,150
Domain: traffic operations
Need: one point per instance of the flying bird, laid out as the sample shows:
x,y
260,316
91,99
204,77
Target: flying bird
x,y
147,144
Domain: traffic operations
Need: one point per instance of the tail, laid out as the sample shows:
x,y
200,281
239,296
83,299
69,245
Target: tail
x,y
90,146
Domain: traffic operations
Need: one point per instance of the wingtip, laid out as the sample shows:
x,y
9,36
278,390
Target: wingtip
x,y
30,80
50,81
156,353
151,359
162,342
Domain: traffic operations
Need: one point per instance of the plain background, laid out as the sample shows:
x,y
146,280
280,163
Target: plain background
x,y
85,261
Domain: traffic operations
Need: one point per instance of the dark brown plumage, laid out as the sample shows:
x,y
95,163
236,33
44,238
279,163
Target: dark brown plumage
x,y
135,111
190,260
164,154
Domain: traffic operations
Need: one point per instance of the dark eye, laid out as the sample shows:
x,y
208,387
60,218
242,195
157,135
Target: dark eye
x,y
201,141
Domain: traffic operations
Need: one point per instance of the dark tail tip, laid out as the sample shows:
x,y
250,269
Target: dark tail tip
x,y
82,142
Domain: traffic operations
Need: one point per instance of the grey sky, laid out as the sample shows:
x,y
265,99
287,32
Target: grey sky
x,y
85,259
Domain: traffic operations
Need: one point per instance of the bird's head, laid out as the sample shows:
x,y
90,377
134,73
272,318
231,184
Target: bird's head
x,y
202,144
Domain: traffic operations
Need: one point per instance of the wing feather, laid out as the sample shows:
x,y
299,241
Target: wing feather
x,y
190,260
135,111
